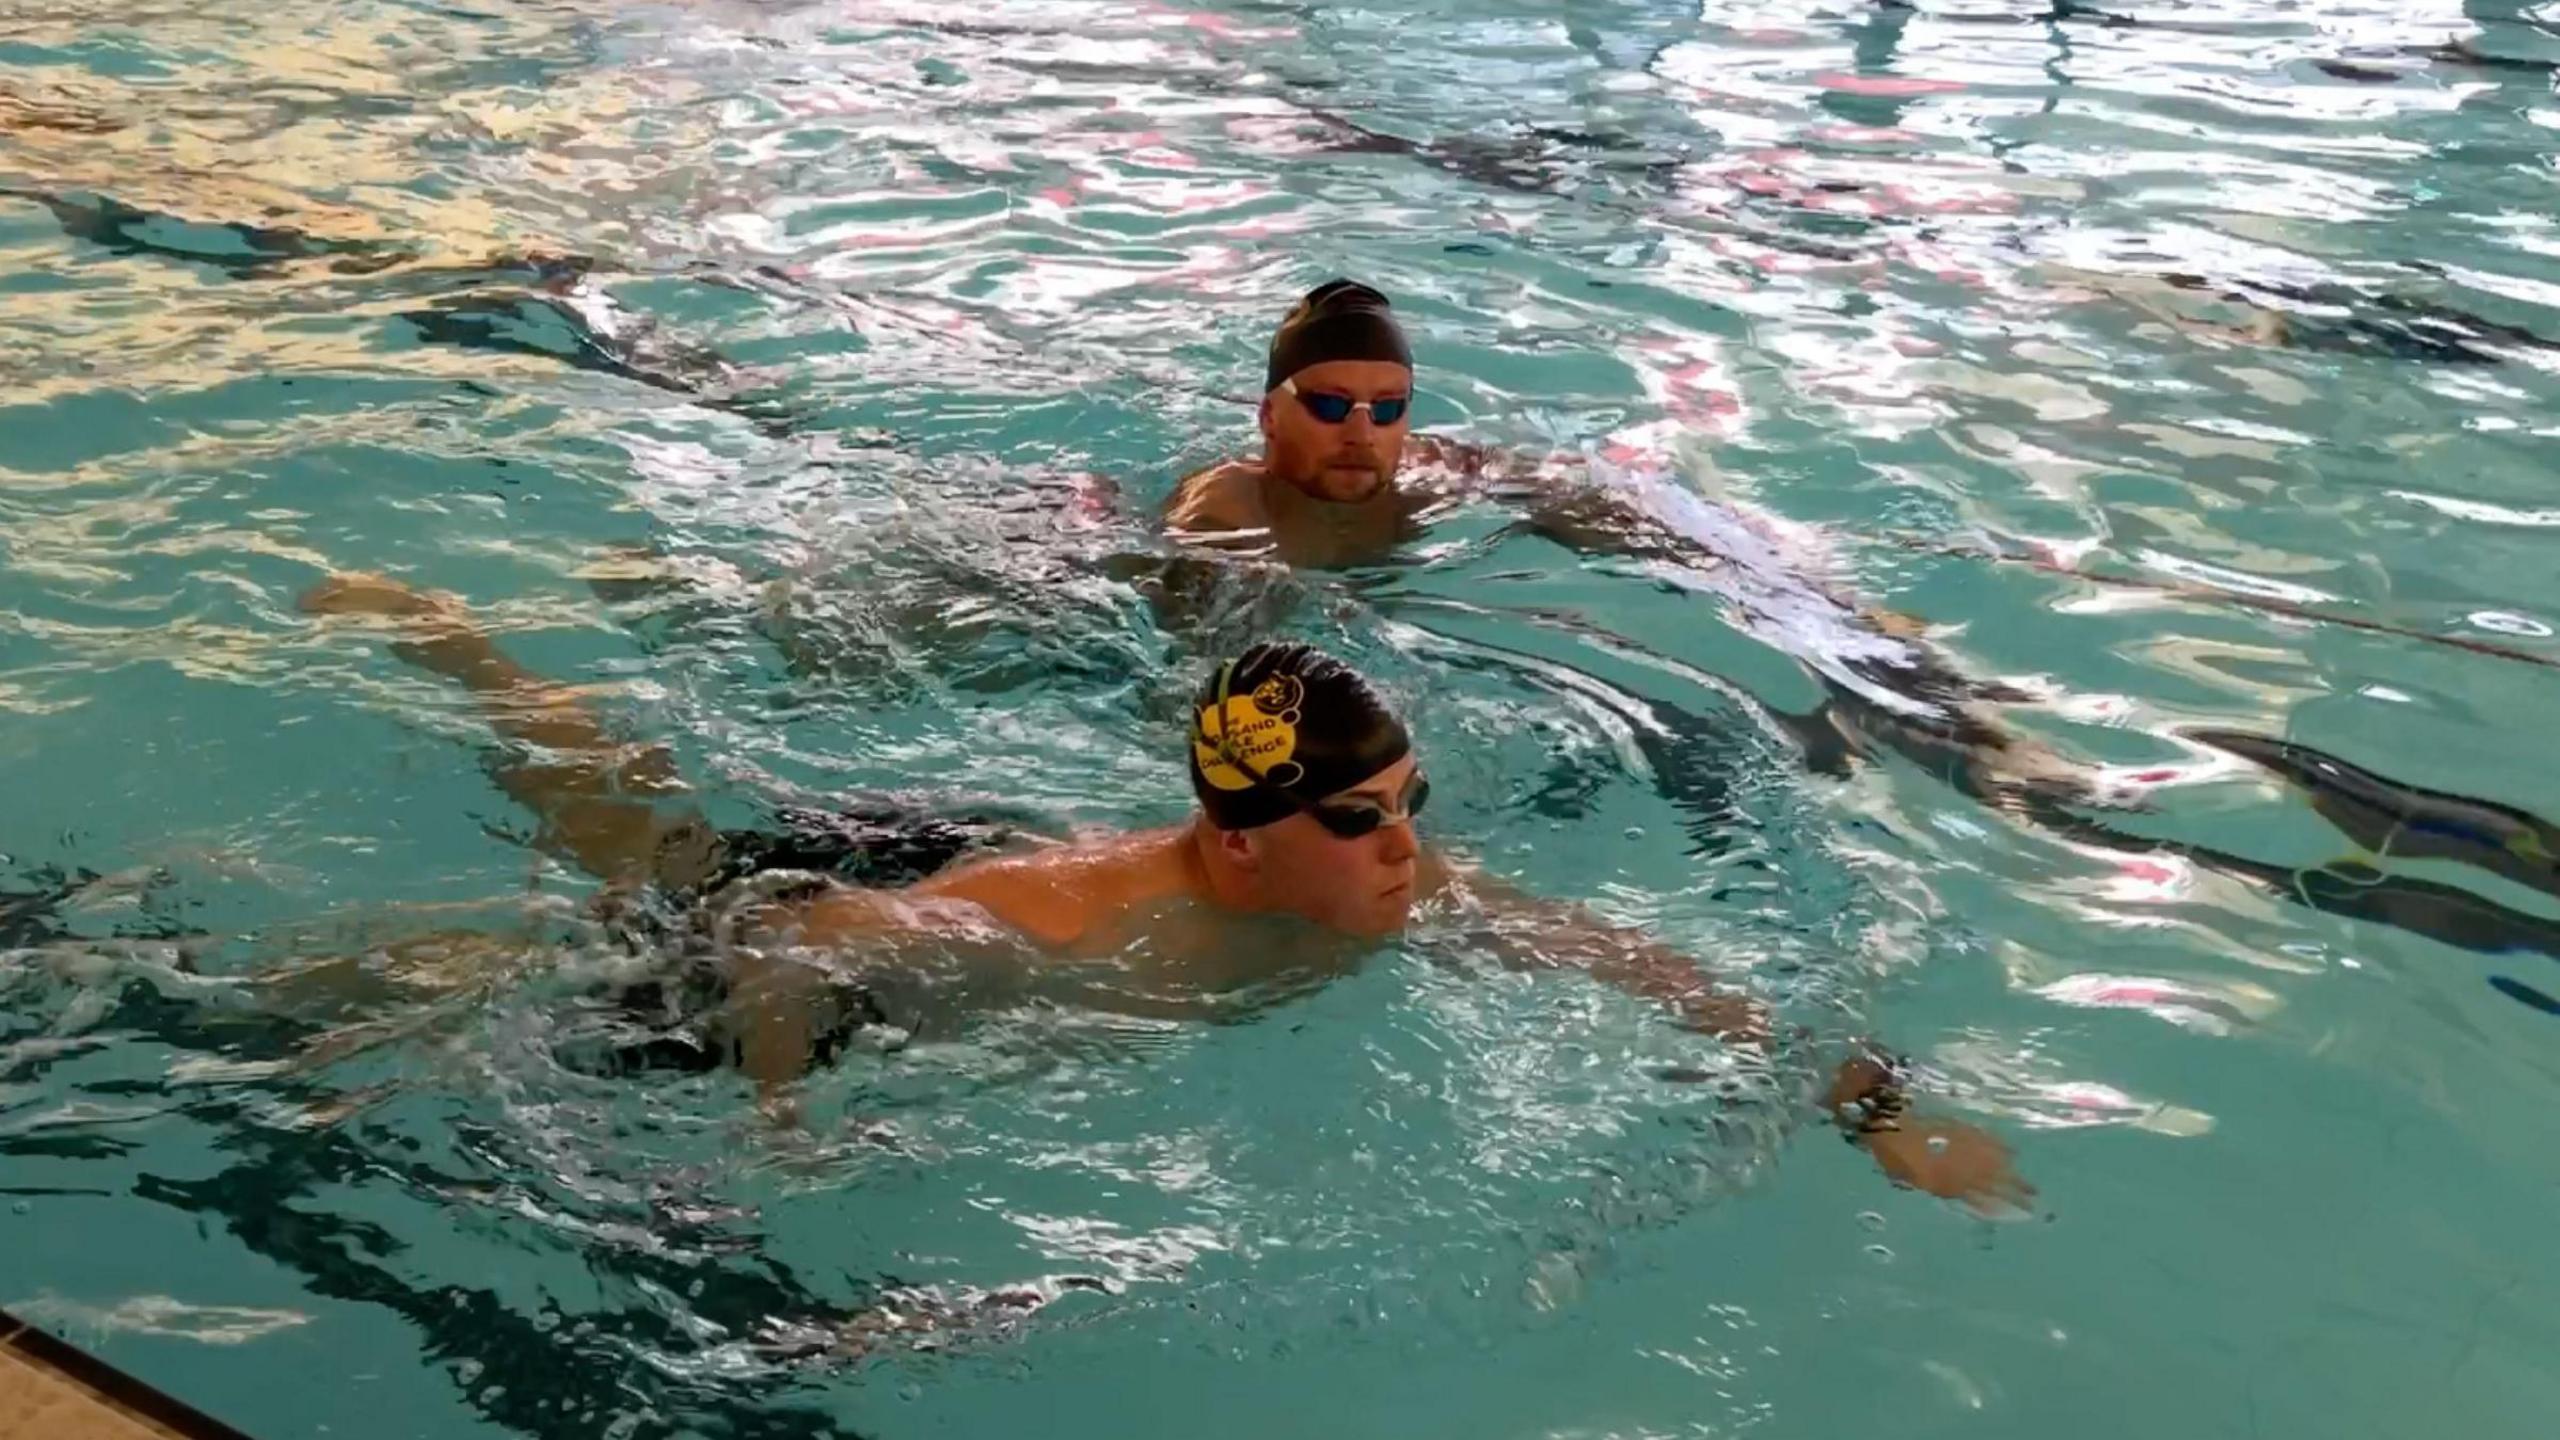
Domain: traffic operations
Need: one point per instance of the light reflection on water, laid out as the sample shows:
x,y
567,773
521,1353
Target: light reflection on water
x,y
806,376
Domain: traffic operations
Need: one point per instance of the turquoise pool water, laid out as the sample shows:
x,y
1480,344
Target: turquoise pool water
x,y
2208,316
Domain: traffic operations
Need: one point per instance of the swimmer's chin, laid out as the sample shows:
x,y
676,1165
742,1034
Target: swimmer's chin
x,y
1350,486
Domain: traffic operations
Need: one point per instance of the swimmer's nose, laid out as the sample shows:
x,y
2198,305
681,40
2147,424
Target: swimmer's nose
x,y
1396,841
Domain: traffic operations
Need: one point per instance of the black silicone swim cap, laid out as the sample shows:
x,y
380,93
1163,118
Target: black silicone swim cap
x,y
1338,320
1295,725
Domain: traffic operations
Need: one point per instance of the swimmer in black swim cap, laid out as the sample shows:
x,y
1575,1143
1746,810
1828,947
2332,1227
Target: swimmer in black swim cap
x,y
1335,415
1336,391
1308,790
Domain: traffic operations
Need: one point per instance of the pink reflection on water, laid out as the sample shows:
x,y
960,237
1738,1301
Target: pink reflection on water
x,y
1889,85
1863,135
2148,880
2190,1007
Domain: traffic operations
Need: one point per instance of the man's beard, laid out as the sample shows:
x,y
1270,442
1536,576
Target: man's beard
x,y
1375,485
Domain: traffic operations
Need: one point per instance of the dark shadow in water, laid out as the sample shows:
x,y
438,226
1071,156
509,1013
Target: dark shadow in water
x,y
2346,319
542,306
1950,731
32,909
29,917
2384,816
556,1376
2524,994
560,1376
2404,821
521,322
241,251
1701,762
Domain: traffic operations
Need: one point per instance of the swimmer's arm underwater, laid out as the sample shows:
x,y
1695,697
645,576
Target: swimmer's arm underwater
x,y
1866,1098
1531,932
1564,502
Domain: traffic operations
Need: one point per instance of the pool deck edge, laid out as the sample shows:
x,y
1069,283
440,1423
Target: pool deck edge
x,y
52,1390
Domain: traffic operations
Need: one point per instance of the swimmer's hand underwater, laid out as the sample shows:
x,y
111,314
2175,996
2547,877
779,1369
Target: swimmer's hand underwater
x,y
1953,1161
1945,1158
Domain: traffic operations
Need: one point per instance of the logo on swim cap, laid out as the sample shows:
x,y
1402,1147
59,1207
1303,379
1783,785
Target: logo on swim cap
x,y
1261,729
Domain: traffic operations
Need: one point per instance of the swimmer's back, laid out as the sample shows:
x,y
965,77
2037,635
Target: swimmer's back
x,y
1068,898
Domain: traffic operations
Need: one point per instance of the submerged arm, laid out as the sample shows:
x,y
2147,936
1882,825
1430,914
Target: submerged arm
x,y
1531,932
1560,499
1866,1098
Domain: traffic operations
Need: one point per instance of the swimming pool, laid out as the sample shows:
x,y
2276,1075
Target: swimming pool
x,y
741,360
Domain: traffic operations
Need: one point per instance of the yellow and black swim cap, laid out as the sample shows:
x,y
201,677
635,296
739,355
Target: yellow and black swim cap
x,y
1338,320
1281,727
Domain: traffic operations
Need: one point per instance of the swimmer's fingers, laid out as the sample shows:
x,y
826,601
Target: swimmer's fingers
x,y
1998,1190
2009,1197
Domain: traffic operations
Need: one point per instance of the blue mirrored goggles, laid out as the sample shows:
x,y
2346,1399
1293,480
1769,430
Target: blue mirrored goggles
x,y
1334,409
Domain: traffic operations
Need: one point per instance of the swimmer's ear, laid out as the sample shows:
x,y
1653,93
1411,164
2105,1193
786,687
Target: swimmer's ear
x,y
1262,417
1237,846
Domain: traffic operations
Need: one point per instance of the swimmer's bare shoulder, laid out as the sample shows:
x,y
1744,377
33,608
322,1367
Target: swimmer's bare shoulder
x,y
1061,898
1223,499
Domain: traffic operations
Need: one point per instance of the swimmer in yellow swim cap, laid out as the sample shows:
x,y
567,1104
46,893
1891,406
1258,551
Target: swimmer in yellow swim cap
x,y
1308,790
